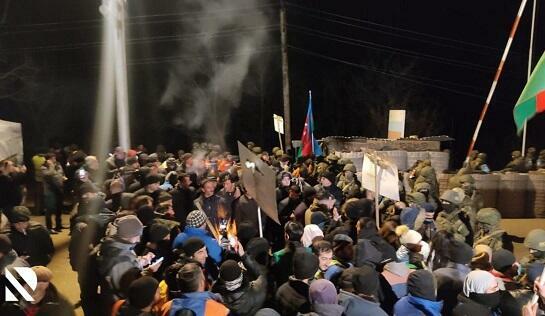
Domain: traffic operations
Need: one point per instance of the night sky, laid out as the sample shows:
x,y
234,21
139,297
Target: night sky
x,y
436,59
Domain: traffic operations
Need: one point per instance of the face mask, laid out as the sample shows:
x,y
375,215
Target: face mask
x,y
448,207
491,300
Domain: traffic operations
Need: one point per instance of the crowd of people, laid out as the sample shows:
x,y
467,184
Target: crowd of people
x,y
178,234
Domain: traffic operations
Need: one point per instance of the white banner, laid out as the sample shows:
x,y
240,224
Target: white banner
x,y
278,123
376,167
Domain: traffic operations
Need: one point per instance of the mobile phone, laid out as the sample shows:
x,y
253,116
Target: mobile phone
x,y
158,260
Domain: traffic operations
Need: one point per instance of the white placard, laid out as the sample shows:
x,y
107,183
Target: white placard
x,y
396,124
278,123
387,173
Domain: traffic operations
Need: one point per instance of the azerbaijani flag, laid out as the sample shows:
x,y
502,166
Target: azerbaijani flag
x,y
532,99
309,145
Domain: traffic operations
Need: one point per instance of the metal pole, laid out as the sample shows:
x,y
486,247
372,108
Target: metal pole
x,y
259,221
285,74
530,50
280,140
496,77
120,60
377,194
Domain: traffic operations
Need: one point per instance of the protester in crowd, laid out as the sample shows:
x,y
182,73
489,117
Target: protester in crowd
x,y
45,298
360,295
194,298
293,296
30,240
480,296
196,227
421,300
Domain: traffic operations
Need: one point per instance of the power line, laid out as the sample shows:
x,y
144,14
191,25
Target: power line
x,y
393,27
150,39
99,21
383,72
176,18
377,46
166,59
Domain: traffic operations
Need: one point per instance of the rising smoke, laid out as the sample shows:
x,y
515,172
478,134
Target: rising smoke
x,y
202,91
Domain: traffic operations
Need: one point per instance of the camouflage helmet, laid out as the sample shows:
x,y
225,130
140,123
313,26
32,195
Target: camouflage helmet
x,y
275,149
466,178
350,167
535,239
427,172
516,154
332,157
452,197
279,153
489,216
482,156
418,187
415,198
344,161
257,150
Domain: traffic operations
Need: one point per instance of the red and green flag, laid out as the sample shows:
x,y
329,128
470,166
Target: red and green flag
x,y
532,99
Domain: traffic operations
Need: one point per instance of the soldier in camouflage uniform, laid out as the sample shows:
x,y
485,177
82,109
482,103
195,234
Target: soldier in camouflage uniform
x,y
540,163
453,219
471,159
348,182
530,159
473,201
425,188
516,164
535,242
427,174
489,232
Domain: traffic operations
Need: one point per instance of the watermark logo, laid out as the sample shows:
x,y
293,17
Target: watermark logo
x,y
28,275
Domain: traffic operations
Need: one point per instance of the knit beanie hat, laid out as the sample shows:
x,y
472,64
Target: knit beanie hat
x,y
408,216
305,264
230,270
145,214
43,274
129,226
421,283
365,280
502,259
196,218
460,252
20,214
191,245
5,244
142,292
158,232
408,236
329,176
318,218
322,292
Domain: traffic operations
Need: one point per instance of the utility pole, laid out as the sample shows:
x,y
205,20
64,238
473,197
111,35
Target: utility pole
x,y
285,75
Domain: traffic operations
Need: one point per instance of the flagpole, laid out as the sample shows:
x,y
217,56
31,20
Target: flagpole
x,y
496,77
532,28
309,127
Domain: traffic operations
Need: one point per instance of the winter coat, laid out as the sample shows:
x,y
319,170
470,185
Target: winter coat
x,y
413,305
249,298
53,303
214,249
468,307
200,303
325,310
36,244
450,282
292,297
182,203
357,306
387,250
115,257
